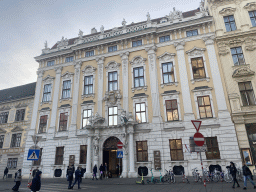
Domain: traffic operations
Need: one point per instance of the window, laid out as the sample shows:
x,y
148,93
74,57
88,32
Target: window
x,y
50,63
63,121
172,110
198,68
43,124
69,59
4,117
12,163
112,116
168,72
176,149
89,53
1,141
140,110
136,43
86,115
138,77
142,151
237,55
164,38
47,92
204,106
212,148
88,85
112,48
38,162
59,156
20,114
112,81
246,156
83,154
230,23
252,15
247,94
66,89
192,33
16,139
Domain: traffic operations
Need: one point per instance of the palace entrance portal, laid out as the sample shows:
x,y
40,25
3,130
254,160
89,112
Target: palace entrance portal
x,y
109,155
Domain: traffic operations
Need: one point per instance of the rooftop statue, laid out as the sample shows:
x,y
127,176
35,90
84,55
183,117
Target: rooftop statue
x,y
102,29
80,34
124,22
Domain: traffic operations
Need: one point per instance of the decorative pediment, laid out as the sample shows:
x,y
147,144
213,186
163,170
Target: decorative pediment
x,y
250,44
2,131
227,11
62,42
166,56
223,49
96,120
17,129
20,105
67,75
5,108
112,97
195,51
243,71
236,42
250,6
89,69
138,60
112,65
48,79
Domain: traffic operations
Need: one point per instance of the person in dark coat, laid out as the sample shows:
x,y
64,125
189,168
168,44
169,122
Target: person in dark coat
x,y
233,171
247,175
78,175
94,172
101,171
106,170
70,173
5,172
36,182
17,180
35,171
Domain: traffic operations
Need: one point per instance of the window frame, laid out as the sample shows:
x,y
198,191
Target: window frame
x,y
20,117
40,124
113,115
112,48
88,85
88,71
4,116
172,109
253,17
82,160
87,118
113,81
139,77
237,56
61,156
176,150
50,63
65,120
68,59
229,23
198,68
142,151
164,38
63,89
192,33
89,53
135,43
168,73
48,93
136,62
211,148
204,107
246,91
2,141
12,160
16,141
86,106
140,112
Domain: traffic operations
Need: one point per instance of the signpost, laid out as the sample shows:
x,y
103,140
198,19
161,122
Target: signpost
x,y
33,154
119,153
119,145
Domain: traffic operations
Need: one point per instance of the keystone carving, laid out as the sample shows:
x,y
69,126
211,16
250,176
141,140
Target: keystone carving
x,y
227,11
243,71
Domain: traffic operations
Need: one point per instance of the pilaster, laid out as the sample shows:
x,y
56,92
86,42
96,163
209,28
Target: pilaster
x,y
132,172
124,56
100,62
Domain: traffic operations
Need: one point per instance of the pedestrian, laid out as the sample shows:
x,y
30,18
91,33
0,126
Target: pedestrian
x,y
247,175
36,182
70,173
117,170
5,172
233,171
101,171
17,180
35,171
94,172
78,175
106,170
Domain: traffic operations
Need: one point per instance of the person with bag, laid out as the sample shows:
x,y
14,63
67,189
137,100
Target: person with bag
x,y
94,172
101,171
247,175
17,180
78,175
233,171
36,182
70,177
5,172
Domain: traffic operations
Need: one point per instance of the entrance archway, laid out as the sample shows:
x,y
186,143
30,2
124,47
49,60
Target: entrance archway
x,y
109,156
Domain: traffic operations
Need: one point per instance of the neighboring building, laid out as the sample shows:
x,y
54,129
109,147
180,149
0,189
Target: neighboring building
x,y
160,74
236,39
15,115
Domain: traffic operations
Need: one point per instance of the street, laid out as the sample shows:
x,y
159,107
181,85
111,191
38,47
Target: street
x,y
125,185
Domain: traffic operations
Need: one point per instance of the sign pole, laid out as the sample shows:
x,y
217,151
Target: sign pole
x,y
119,167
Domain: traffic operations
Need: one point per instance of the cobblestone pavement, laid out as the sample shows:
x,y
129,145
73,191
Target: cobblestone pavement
x,y
125,185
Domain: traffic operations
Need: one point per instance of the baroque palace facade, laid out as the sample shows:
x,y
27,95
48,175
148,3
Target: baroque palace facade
x,y
236,40
140,84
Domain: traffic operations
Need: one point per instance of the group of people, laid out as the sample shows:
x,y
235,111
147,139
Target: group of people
x,y
78,176
104,171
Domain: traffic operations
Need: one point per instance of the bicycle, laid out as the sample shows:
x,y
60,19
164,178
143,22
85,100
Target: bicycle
x,y
196,175
227,176
215,175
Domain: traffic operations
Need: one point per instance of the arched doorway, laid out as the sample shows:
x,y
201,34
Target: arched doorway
x,y
109,156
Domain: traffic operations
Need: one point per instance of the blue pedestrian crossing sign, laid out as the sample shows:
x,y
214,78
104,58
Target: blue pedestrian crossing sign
x,y
33,154
119,154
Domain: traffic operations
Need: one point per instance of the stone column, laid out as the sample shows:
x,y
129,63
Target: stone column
x,y
188,112
88,173
125,153
75,98
96,148
154,84
100,62
132,172
124,56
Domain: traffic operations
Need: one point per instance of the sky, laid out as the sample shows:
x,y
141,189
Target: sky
x,y
26,24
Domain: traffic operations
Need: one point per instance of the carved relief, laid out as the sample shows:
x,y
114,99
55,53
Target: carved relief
x,y
89,69
223,49
62,42
243,71
166,56
250,44
48,79
112,97
195,51
138,60
112,65
227,11
67,75
250,6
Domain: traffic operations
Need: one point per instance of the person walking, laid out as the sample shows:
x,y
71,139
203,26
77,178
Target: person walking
x,y
35,171
94,172
5,172
36,182
101,171
17,180
247,175
78,175
233,171
106,170
70,173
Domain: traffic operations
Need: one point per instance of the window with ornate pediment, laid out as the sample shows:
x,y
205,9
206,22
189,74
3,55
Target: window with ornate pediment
x,y
67,81
112,73
4,117
252,15
1,141
63,120
16,140
230,23
87,111
47,89
237,56
247,93
88,81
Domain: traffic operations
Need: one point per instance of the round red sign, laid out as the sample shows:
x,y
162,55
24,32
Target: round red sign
x,y
199,139
119,145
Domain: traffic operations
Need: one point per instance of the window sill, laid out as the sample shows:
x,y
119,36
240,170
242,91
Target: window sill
x,y
46,102
88,95
169,84
65,99
199,80
144,162
139,88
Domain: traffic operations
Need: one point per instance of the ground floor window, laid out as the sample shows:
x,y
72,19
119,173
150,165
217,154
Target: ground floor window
x,y
176,150
12,163
83,153
142,151
212,148
59,156
251,133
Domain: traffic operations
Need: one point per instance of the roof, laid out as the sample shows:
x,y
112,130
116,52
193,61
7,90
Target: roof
x,y
19,92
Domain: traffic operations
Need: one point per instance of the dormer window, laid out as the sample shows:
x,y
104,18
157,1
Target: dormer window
x,y
89,53
192,33
112,48
69,59
50,63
